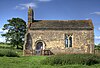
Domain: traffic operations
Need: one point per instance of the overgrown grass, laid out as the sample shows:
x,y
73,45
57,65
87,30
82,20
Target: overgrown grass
x,y
5,47
36,61
83,59
8,53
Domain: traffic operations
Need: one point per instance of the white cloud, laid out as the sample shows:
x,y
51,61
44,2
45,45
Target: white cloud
x,y
2,31
28,4
2,39
99,28
25,6
96,13
87,18
97,37
44,0
20,7
31,4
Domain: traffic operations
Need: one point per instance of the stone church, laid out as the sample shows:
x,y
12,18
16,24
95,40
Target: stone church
x,y
47,37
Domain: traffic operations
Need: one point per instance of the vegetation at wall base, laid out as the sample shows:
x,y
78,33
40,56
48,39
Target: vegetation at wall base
x,y
34,62
83,59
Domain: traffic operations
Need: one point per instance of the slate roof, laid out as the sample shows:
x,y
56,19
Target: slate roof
x,y
62,25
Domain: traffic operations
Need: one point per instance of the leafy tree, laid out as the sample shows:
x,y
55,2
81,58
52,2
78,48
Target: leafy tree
x,y
16,32
97,47
99,44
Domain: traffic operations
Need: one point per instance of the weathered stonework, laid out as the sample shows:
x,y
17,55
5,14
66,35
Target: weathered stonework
x,y
55,40
49,36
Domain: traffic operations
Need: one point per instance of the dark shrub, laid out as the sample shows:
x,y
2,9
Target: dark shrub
x,y
11,53
1,53
90,61
8,53
85,59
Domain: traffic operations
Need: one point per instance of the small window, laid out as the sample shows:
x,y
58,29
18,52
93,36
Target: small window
x,y
68,40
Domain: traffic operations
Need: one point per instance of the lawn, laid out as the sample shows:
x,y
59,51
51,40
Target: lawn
x,y
32,61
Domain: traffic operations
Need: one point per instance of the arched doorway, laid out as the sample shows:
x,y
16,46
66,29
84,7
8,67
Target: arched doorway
x,y
39,47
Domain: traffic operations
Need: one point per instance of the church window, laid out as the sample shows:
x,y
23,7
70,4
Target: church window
x,y
68,40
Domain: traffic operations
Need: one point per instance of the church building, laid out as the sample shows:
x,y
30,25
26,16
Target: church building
x,y
51,37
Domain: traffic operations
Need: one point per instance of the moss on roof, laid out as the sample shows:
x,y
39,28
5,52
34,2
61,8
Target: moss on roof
x,y
62,25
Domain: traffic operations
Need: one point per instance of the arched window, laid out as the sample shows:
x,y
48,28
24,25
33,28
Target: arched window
x,y
68,40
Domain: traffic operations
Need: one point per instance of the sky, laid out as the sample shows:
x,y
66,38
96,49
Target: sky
x,y
52,10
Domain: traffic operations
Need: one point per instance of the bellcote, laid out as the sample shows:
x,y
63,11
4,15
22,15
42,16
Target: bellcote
x,y
30,15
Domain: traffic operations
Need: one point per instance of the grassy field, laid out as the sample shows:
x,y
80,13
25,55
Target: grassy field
x,y
5,46
32,61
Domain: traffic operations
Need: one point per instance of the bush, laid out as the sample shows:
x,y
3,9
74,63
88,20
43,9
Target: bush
x,y
91,61
1,53
8,53
84,59
11,53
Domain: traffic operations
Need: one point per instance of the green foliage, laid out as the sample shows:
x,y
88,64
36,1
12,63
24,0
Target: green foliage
x,y
16,31
97,47
8,53
84,59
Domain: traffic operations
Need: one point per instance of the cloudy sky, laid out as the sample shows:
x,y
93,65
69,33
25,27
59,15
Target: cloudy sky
x,y
52,10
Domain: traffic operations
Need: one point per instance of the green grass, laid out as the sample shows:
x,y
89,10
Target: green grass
x,y
65,59
32,61
5,46
9,47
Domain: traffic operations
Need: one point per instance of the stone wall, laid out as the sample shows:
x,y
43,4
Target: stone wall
x,y
83,40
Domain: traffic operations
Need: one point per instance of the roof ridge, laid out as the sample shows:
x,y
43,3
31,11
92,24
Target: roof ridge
x,y
62,20
62,24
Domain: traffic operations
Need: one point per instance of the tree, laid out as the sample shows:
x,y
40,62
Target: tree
x,y
16,32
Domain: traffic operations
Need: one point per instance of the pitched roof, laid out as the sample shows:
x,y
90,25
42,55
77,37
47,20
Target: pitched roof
x,y
62,25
